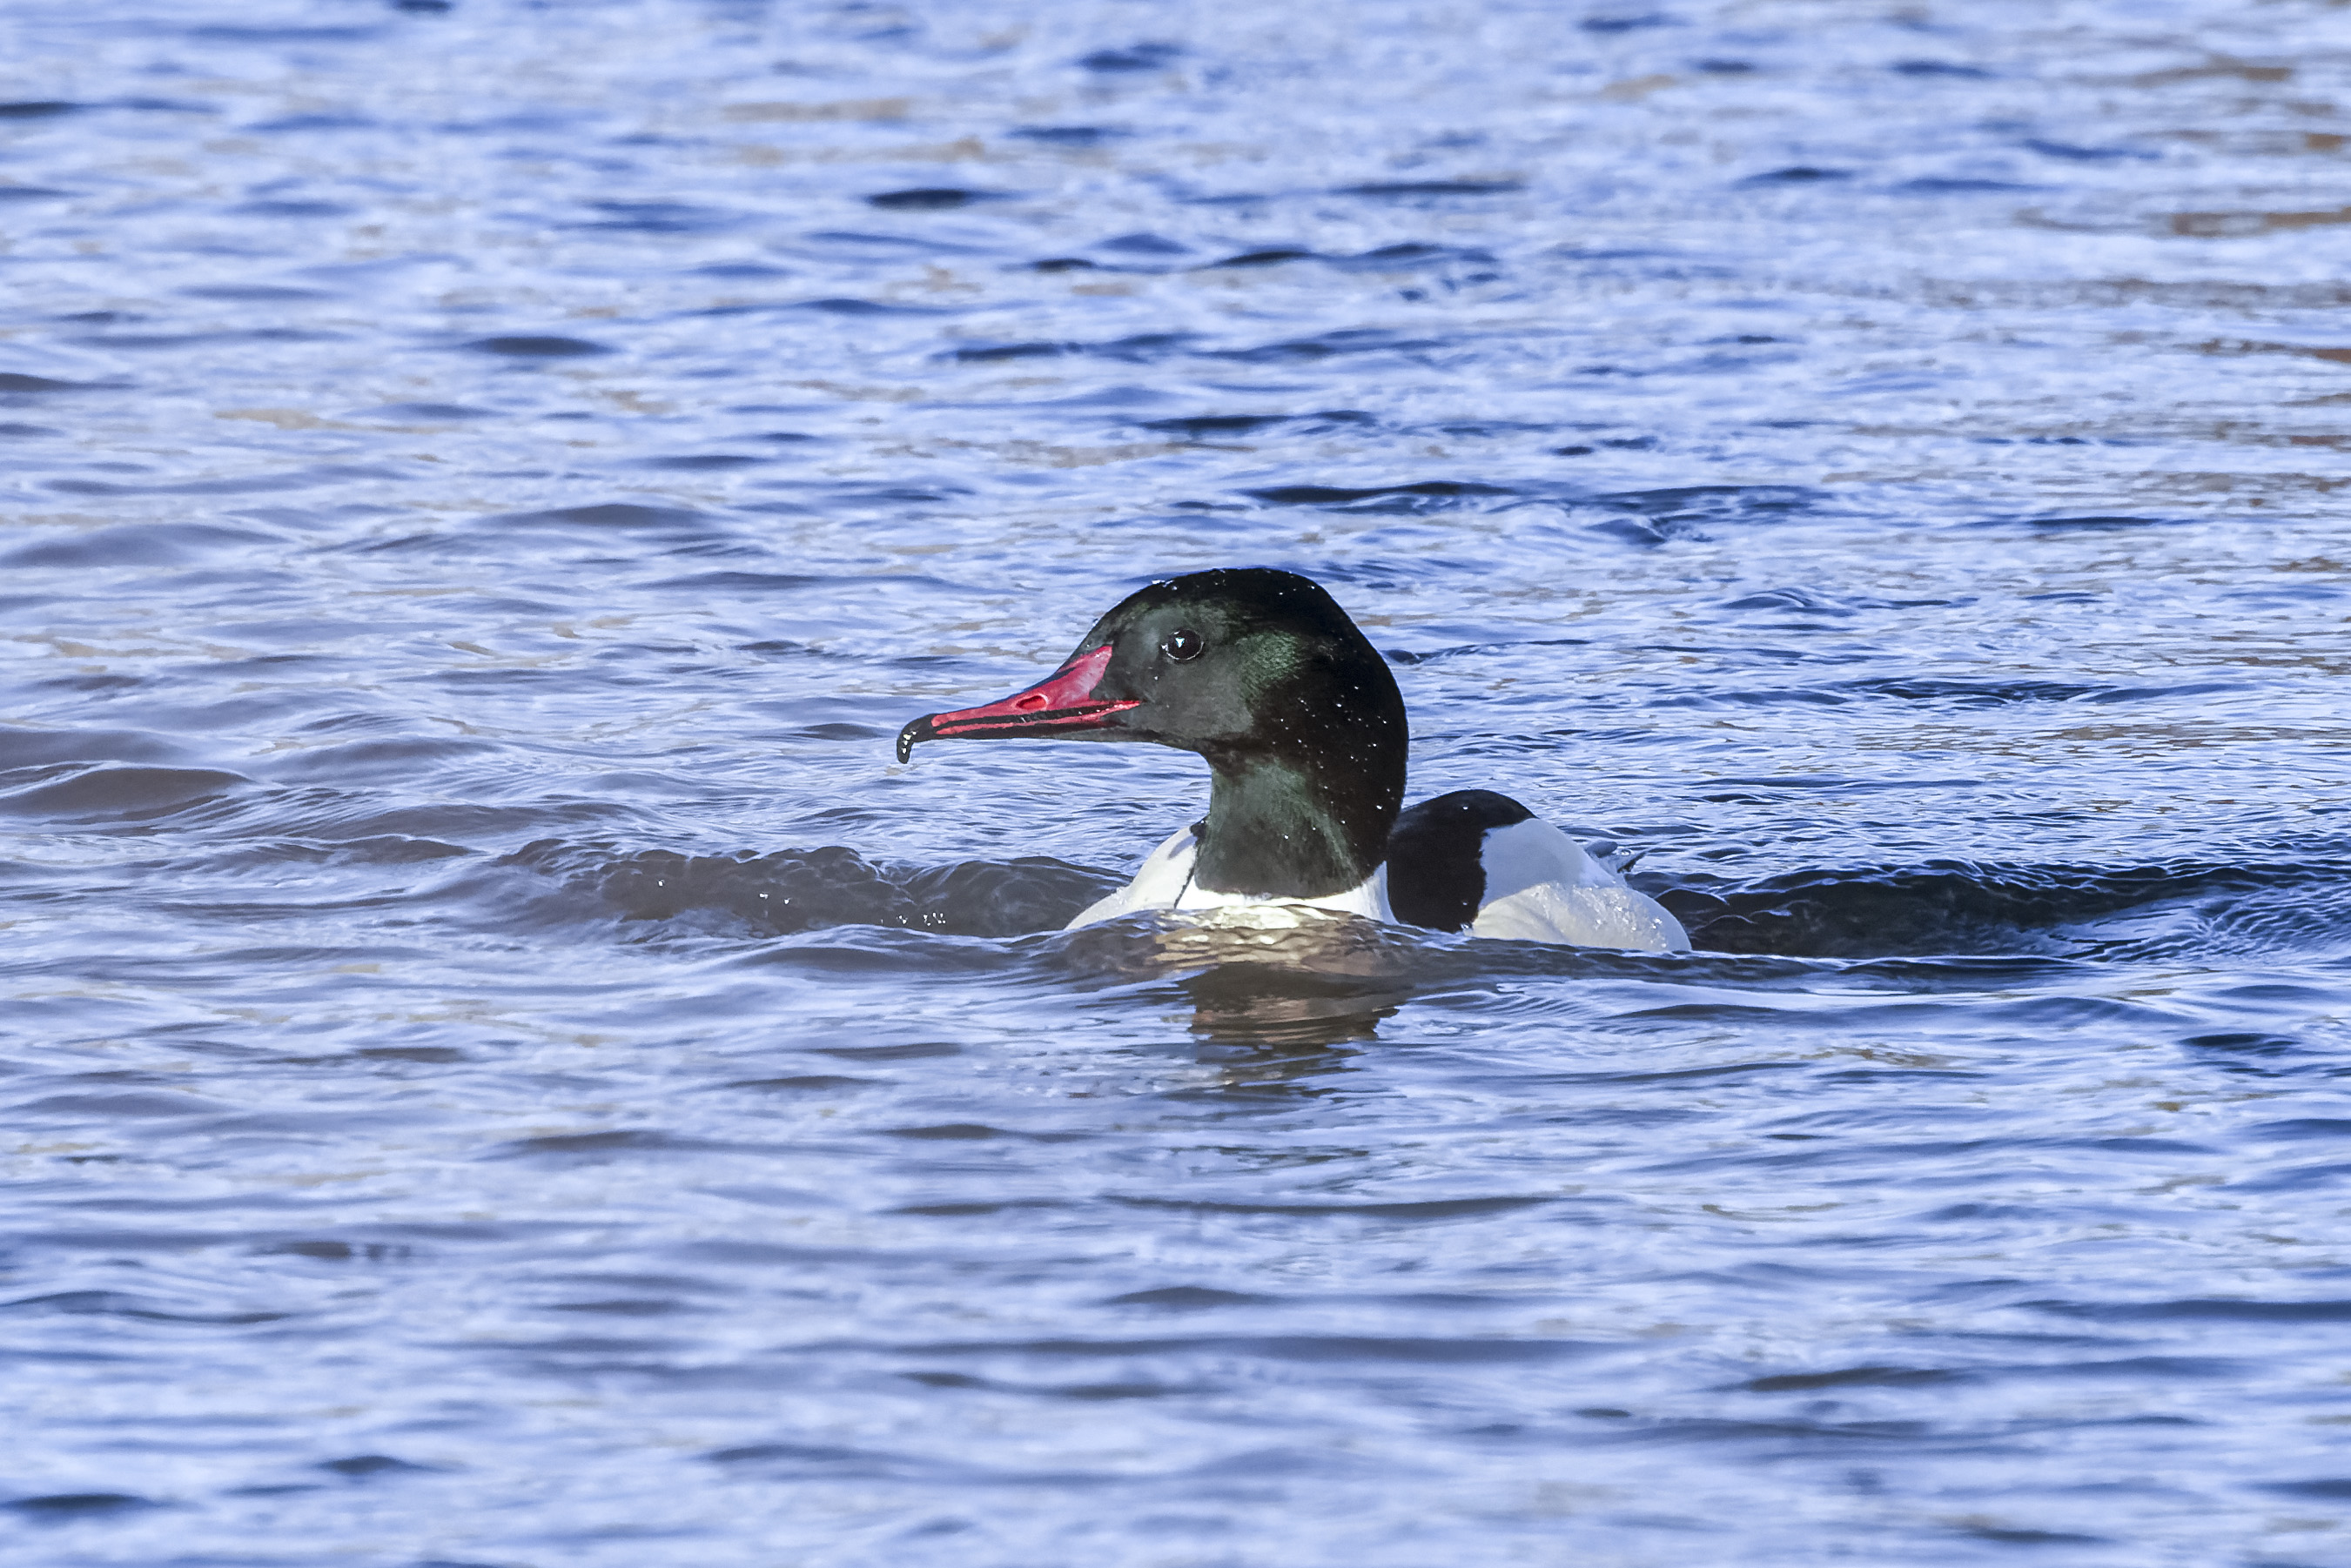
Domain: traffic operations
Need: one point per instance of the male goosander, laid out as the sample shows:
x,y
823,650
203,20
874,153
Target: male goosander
x,y
1261,672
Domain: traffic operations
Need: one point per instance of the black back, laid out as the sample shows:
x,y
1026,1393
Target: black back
x,y
1436,875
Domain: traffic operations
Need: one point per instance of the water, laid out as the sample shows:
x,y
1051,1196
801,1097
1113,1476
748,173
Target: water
x,y
501,1068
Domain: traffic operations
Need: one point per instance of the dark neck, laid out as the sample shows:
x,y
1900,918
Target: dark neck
x,y
1290,826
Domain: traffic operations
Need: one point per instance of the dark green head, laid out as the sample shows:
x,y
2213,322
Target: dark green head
x,y
1260,672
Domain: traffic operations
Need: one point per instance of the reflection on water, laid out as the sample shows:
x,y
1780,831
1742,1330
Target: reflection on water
x,y
1284,1011
505,1069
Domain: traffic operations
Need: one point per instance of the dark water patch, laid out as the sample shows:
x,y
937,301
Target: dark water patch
x,y
2095,522
241,484
2013,1535
10,194
972,1132
1401,188
1432,1208
1851,1377
808,1084
830,1461
1209,427
254,292
2201,1310
112,793
610,516
119,1107
2246,1044
16,381
747,583
170,342
1133,58
1798,600
2328,1489
242,33
312,122
1272,257
57,1506
1653,518
37,109
658,217
11,430
540,346
435,413
1975,693
2328,1128
1145,245
24,747
368,1467
1948,68
325,1251
1138,347
1069,135
1339,344
1797,174
1188,1298
1959,185
702,462
994,352
932,199
602,1145
1139,1389
1412,255
135,545
841,305
119,1305
292,207
1437,655
1423,495
1366,1349
2071,153
839,242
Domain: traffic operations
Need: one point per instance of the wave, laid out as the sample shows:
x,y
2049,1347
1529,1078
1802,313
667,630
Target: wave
x,y
1968,918
1956,907
791,890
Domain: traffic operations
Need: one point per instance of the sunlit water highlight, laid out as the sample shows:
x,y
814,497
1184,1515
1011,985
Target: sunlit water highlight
x,y
502,1069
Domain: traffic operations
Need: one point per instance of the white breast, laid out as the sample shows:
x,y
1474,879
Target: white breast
x,y
1164,881
1540,887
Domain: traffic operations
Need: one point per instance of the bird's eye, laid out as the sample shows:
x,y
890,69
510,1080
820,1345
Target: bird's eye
x,y
1182,643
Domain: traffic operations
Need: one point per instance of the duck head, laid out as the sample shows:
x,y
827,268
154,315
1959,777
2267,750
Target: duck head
x,y
1261,674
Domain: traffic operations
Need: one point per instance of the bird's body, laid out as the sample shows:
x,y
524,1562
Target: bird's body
x,y
1262,674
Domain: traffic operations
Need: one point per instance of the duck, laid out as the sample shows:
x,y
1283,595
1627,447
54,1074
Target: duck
x,y
1259,672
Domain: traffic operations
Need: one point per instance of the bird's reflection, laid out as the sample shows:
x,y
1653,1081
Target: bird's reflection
x,y
1268,1007
1274,1000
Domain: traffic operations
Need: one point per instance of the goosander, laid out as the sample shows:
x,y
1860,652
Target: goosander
x,y
1261,674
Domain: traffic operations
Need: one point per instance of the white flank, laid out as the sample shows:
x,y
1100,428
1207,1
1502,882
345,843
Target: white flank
x,y
1543,886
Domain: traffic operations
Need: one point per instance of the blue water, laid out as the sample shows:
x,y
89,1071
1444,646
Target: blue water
x,y
502,1069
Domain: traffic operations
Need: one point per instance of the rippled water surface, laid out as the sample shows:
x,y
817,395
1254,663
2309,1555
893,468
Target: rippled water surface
x,y
501,1068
